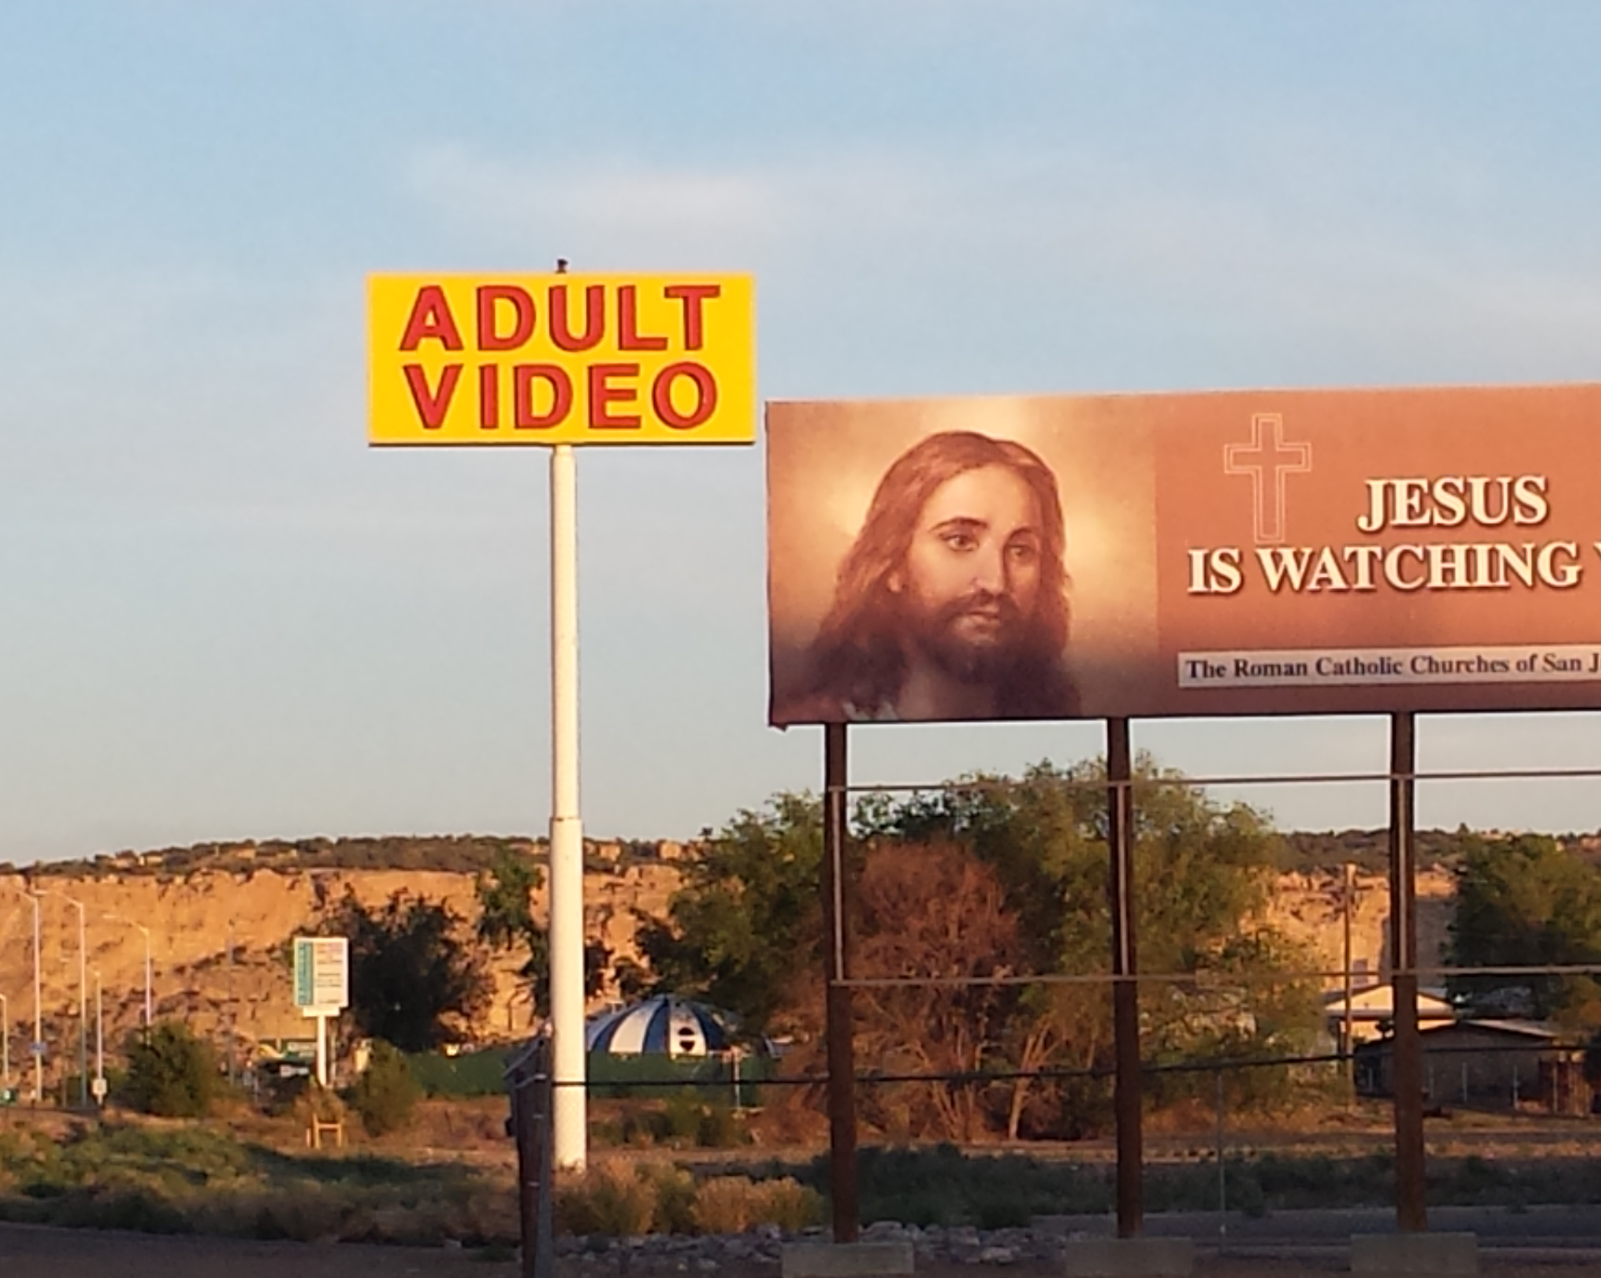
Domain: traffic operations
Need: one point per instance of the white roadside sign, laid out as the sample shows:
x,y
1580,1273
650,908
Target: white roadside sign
x,y
322,974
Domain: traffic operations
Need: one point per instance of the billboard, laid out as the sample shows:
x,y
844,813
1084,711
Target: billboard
x,y
1227,553
561,359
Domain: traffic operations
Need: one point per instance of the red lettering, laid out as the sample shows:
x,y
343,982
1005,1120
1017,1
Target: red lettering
x,y
661,395
594,318
690,297
488,397
602,396
628,336
489,296
431,318
523,377
432,405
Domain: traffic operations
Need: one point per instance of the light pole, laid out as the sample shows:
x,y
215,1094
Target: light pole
x,y
36,1048
146,933
83,1003
100,1046
232,1011
5,1041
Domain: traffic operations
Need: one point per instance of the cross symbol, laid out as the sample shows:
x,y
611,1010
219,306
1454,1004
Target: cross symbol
x,y
1267,461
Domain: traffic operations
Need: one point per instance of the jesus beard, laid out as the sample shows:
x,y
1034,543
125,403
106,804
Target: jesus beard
x,y
976,661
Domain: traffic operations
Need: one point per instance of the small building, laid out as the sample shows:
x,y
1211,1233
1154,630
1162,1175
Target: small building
x,y
1487,1064
1373,1012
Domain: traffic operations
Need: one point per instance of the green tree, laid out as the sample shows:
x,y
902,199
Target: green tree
x,y
506,920
1199,868
414,981
1201,871
386,1092
1527,902
746,918
997,877
171,1072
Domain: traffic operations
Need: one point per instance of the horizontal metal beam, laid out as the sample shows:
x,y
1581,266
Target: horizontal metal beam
x,y
1100,784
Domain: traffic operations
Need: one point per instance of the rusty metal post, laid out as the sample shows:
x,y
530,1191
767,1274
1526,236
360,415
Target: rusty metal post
x,y
838,1029
1411,1209
529,1083
1348,1031
1126,1102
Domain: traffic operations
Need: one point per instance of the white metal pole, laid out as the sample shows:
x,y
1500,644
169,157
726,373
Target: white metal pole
x,y
37,1047
100,1045
232,1012
566,828
5,1041
146,932
322,1050
83,1007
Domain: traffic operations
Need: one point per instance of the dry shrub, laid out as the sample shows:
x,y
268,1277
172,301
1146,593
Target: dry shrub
x,y
627,1199
425,1223
789,1204
726,1205
306,1214
733,1204
612,1198
491,1213
320,1103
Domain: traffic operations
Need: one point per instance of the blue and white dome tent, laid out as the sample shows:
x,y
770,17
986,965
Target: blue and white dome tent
x,y
664,1025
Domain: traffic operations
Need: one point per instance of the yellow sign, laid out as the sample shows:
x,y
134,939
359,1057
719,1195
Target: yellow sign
x,y
561,359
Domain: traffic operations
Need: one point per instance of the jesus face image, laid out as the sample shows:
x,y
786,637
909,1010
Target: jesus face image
x,y
952,601
972,572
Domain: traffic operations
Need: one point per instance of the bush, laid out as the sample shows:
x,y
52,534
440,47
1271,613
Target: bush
x,y
690,1121
171,1073
386,1093
610,1199
733,1204
626,1200
725,1205
317,1104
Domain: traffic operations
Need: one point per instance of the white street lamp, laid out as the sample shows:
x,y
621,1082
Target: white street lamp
x,y
146,933
100,1046
83,1003
36,1048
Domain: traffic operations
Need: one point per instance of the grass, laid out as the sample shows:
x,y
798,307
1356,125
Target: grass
x,y
944,1186
188,1178
183,1179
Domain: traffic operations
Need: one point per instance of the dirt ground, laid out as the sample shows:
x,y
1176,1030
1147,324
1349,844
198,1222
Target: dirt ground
x,y
28,1251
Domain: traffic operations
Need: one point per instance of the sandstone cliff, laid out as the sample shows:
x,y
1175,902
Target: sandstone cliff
x,y
194,917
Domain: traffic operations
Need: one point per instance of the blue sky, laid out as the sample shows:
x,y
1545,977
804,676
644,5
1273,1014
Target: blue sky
x,y
222,616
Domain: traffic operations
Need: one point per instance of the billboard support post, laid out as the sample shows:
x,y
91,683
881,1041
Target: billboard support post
x,y
570,1109
1411,1211
1348,1039
322,1048
1125,989
838,1029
